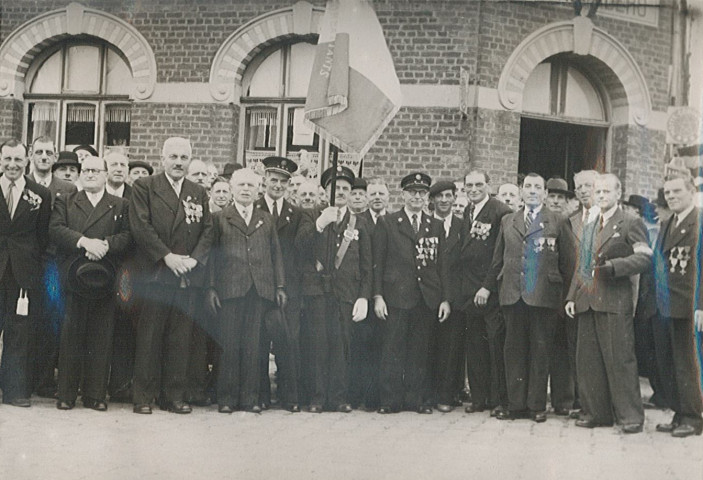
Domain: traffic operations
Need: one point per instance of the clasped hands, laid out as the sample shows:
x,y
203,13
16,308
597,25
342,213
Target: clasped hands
x,y
95,248
180,264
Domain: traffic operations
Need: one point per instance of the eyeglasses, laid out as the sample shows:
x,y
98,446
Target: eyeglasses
x,y
416,193
49,153
92,171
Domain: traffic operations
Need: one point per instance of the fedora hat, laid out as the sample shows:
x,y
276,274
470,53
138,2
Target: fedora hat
x,y
91,279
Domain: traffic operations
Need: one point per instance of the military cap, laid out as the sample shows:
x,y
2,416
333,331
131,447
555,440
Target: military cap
x,y
283,165
343,173
360,184
416,180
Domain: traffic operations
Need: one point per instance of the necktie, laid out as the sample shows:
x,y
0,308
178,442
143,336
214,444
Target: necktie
x,y
339,216
472,209
528,219
416,223
601,223
275,211
9,198
245,216
676,220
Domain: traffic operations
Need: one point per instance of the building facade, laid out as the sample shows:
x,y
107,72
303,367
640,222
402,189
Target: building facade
x,y
505,86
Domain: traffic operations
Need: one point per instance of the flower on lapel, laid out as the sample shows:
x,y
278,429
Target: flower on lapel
x,y
480,230
351,235
194,211
259,223
32,198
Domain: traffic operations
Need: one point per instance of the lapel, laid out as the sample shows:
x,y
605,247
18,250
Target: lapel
x,y
454,234
519,221
255,221
614,225
538,223
104,206
675,235
235,219
284,215
404,226
338,228
4,212
164,190
83,204
181,212
22,204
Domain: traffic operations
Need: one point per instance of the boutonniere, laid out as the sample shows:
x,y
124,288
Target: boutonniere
x,y
616,235
426,249
351,235
480,230
194,211
259,223
32,198
287,219
400,219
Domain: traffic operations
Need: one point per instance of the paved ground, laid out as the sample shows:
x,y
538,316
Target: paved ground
x,y
44,443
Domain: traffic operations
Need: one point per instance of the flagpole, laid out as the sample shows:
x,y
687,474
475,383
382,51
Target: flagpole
x,y
333,179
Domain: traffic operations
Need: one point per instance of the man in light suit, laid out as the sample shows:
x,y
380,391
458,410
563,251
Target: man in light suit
x,y
485,326
677,267
245,275
91,229
411,292
172,228
614,247
25,208
533,259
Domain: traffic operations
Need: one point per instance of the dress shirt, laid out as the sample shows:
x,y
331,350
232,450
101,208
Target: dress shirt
x,y
245,212
176,184
95,197
479,206
446,221
16,192
118,192
269,203
535,211
609,214
680,216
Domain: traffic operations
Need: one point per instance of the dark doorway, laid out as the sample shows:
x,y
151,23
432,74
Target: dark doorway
x,y
560,149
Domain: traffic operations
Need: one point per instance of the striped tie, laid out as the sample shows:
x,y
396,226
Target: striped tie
x,y
528,219
9,198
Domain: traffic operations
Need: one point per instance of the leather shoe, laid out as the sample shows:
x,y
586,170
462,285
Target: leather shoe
x,y
253,409
633,428
684,430
666,427
444,408
64,405
561,412
344,408
496,411
292,407
97,405
18,402
225,409
539,417
424,410
315,409
385,410
575,414
142,408
472,408
176,407
588,423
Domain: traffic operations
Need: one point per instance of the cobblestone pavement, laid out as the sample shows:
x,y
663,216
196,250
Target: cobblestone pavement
x,y
44,443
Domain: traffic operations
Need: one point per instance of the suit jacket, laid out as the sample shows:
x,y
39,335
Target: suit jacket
x,y
160,225
290,219
533,265
74,217
408,267
604,293
353,279
24,237
57,187
245,255
679,249
478,241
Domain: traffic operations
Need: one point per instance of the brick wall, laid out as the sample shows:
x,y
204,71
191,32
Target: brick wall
x,y
209,127
10,119
496,145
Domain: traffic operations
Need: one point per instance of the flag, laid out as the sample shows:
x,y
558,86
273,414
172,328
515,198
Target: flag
x,y
354,91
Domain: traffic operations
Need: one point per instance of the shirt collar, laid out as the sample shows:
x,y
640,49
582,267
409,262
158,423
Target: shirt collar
x,y
118,192
44,181
176,184
478,206
270,201
95,197
608,214
535,210
684,214
20,183
410,214
242,208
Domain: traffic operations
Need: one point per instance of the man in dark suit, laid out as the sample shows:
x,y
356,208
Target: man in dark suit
x,y
410,294
336,293
534,257
171,225
245,274
25,208
485,326
117,172
448,336
584,182
91,231
282,325
677,266
45,349
614,247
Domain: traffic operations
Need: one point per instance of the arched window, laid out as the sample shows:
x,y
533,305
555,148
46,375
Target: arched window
x,y
78,94
274,88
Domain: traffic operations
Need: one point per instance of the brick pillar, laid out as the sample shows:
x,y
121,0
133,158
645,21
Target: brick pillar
x,y
496,145
637,158
10,119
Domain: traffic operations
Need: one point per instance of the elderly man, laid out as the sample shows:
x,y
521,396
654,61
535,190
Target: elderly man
x,y
25,207
677,266
509,194
91,231
139,169
378,195
307,195
117,173
67,167
485,326
245,274
411,292
584,182
359,200
534,255
282,325
43,156
198,173
614,247
220,194
172,227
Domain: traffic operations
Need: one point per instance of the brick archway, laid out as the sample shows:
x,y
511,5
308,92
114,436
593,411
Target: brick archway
x,y
27,41
232,58
578,36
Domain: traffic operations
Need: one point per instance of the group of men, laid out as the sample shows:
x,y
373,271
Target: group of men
x,y
175,291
